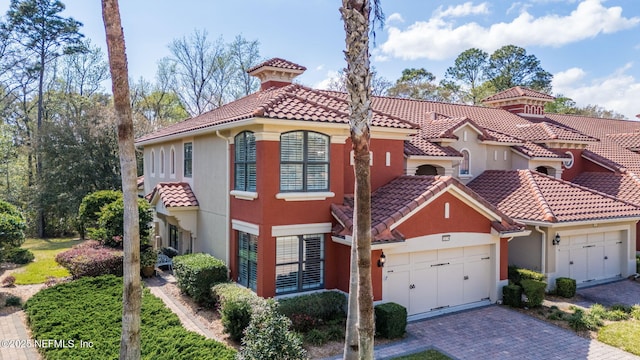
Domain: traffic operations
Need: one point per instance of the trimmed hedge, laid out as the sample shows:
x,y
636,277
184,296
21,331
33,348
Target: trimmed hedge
x,y
565,287
268,336
320,306
90,309
90,259
197,274
512,295
235,304
534,291
516,275
391,320
19,256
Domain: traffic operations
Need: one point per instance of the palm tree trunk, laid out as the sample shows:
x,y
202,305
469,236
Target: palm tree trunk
x,y
355,14
132,290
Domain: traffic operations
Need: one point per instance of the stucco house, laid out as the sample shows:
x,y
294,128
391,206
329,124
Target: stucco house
x,y
459,192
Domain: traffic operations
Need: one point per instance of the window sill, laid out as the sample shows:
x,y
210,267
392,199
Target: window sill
x,y
244,195
465,176
305,196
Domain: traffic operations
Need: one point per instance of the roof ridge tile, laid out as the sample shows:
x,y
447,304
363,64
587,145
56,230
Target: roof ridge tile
x,y
539,196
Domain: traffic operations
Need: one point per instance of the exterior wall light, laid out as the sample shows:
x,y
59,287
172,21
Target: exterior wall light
x,y
556,239
382,259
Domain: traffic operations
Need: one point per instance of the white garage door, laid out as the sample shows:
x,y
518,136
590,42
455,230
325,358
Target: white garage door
x,y
431,280
591,257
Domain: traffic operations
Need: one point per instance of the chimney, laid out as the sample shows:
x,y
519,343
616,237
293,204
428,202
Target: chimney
x,y
520,100
276,72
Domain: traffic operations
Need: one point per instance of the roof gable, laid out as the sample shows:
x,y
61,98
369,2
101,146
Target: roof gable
x,y
173,195
530,196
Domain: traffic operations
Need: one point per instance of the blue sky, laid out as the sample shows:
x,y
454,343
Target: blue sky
x,y
592,47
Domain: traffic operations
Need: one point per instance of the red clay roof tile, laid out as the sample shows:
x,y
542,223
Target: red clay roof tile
x,y
174,195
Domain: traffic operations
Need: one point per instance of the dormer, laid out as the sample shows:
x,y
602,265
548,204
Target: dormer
x,y
276,72
520,101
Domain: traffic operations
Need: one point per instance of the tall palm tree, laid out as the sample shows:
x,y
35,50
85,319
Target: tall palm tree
x,y
355,15
132,290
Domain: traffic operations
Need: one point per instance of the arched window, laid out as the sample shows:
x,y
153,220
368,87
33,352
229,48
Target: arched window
x,y
153,162
427,170
172,161
542,170
245,161
304,161
464,164
161,162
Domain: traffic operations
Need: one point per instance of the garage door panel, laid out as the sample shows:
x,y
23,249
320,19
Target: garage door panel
x,y
398,259
476,278
595,262
591,256
423,291
596,238
612,259
424,257
397,283
578,264
578,240
450,285
450,254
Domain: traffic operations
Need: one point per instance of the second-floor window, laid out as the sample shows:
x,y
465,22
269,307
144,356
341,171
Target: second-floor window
x,y
464,164
245,161
304,161
188,159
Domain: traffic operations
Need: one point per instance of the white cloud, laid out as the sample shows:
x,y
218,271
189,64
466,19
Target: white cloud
x,y
395,17
332,76
438,38
618,91
320,67
465,9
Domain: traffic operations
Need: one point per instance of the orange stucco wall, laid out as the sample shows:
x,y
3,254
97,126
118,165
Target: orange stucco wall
x,y
430,220
504,258
380,172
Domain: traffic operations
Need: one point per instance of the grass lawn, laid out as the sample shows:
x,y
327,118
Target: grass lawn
x,y
44,265
623,334
425,355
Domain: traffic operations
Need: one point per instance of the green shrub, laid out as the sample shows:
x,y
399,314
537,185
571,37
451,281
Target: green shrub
x,y
90,309
89,260
235,305
111,220
321,306
19,256
148,257
12,225
197,273
391,320
336,332
89,210
556,315
534,291
581,321
635,312
512,295
565,287
268,337
12,300
638,264
516,275
316,337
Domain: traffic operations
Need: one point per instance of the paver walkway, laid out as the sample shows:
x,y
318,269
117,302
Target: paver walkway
x,y
620,292
12,328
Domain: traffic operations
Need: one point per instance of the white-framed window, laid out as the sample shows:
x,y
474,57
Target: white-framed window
x,y
245,161
188,159
153,162
299,263
304,161
172,162
161,162
464,163
568,163
247,260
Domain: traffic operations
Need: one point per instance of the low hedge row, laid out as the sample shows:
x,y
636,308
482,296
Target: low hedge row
x,y
18,256
90,310
197,273
308,311
391,320
235,304
91,259
565,287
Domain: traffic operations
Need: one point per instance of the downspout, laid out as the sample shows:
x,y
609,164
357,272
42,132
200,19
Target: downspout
x,y
227,205
543,252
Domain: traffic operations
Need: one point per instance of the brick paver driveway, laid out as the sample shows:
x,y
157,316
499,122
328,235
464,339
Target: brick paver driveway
x,y
496,332
620,292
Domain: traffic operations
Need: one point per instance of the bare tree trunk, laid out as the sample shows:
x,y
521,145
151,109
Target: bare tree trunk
x,y
355,14
132,290
351,339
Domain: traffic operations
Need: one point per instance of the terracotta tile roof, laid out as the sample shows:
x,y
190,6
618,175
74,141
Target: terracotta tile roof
x,y
629,141
530,196
534,150
398,198
517,92
622,186
140,181
278,63
608,148
501,137
292,102
420,147
177,194
541,131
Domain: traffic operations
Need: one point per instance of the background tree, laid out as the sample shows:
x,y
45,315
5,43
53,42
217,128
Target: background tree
x,y
132,288
244,55
12,226
415,84
356,17
510,66
565,105
45,35
468,71
379,84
